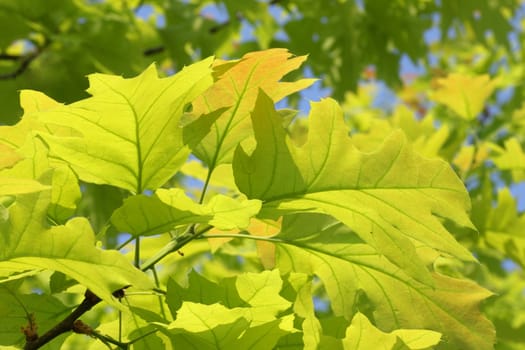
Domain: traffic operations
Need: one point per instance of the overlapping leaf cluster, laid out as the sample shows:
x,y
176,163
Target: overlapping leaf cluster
x,y
358,231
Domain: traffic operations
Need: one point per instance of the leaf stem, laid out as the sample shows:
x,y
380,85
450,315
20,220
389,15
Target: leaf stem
x,y
137,252
106,339
157,283
174,245
242,235
142,336
122,245
206,183
66,324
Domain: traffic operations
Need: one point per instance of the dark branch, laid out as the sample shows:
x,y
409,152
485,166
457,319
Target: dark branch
x,y
139,5
21,68
70,322
8,57
220,26
24,61
154,50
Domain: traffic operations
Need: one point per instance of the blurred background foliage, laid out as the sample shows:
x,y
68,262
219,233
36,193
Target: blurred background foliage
x,y
52,45
390,63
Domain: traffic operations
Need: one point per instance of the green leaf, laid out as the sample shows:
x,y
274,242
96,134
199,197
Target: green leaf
x,y
465,95
349,268
65,194
223,174
505,229
258,290
363,335
250,301
35,162
8,157
301,290
511,158
236,89
217,327
10,186
26,244
149,215
130,130
207,326
14,307
392,198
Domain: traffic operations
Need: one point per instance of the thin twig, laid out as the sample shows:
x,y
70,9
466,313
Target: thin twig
x,y
68,324
175,245
8,57
154,50
25,61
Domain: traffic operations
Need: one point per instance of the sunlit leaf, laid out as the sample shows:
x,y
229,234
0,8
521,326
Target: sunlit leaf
x,y
241,311
166,209
220,328
350,268
260,291
131,136
14,307
9,186
237,88
464,94
505,229
363,335
8,157
27,244
511,158
223,174
392,198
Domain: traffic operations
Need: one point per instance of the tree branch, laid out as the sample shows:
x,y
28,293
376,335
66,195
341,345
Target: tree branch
x,y
8,57
69,323
220,26
153,50
25,60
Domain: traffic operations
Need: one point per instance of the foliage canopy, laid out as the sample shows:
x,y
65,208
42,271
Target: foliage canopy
x,y
178,205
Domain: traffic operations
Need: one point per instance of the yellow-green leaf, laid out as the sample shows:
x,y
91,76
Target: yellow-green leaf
x,y
465,94
362,335
352,270
505,229
392,198
131,137
236,90
27,244
510,158
148,215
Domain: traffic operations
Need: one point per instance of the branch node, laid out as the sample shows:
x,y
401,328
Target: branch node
x,y
82,328
31,330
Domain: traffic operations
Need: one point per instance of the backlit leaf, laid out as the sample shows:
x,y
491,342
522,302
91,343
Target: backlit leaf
x,y
511,158
363,335
392,198
464,94
13,307
9,186
505,229
26,244
236,88
239,312
131,136
258,290
166,209
349,268
8,157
